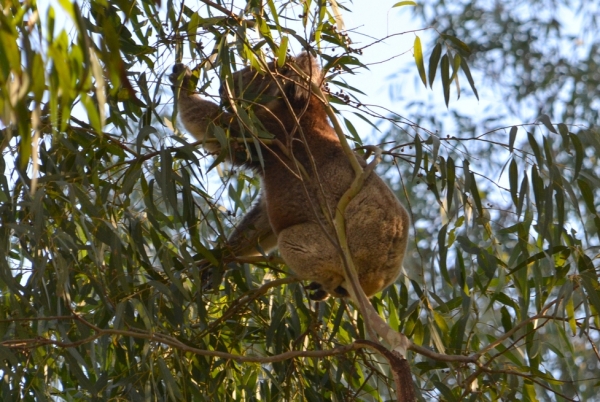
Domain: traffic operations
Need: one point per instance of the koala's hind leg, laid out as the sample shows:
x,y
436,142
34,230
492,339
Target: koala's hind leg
x,y
252,236
253,233
310,255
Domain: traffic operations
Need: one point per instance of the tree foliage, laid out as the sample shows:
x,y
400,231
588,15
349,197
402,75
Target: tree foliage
x,y
108,216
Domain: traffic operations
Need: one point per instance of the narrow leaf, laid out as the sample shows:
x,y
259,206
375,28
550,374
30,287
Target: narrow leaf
x,y
536,149
542,254
588,195
545,119
511,138
434,59
467,71
445,71
578,154
443,253
451,178
404,3
418,156
462,46
419,60
513,179
564,133
282,51
522,192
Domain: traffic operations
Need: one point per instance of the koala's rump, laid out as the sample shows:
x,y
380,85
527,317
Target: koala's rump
x,y
377,231
376,223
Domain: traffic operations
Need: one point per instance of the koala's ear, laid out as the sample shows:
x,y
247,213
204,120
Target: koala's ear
x,y
180,72
299,89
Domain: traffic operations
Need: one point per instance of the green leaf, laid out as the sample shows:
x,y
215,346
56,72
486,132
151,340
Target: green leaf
x,y
538,189
435,141
536,149
419,60
513,179
276,322
445,391
443,253
282,51
465,67
506,319
454,77
522,193
451,174
142,312
545,119
488,263
445,71
7,355
170,384
434,59
564,133
476,197
579,154
589,280
546,253
467,245
274,14
418,156
352,130
131,178
460,45
467,175
588,195
143,135
369,122
548,152
511,138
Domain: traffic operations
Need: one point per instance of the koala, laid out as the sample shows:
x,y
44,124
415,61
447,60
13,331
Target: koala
x,y
304,173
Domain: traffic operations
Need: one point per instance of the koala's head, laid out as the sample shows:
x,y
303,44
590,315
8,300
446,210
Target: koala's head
x,y
266,87
181,79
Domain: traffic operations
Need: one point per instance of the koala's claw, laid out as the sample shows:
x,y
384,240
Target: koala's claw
x,y
341,292
316,292
319,295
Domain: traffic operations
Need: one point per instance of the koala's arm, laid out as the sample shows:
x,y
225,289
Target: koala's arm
x,y
196,113
252,232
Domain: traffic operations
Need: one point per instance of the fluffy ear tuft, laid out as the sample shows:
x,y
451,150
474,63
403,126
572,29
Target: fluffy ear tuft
x,y
308,65
180,72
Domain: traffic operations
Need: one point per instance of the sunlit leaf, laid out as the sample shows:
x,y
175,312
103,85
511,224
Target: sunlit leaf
x,y
404,3
419,60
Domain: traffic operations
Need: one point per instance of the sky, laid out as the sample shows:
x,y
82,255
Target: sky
x,y
392,70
